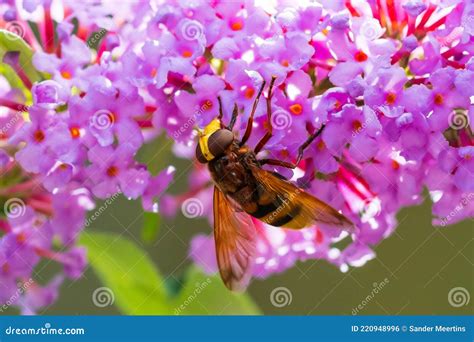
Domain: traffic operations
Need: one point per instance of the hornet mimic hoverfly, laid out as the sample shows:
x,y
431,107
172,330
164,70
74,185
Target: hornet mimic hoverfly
x,y
243,189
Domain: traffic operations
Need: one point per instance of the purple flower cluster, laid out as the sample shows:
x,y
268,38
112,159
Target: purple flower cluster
x,y
391,80
72,143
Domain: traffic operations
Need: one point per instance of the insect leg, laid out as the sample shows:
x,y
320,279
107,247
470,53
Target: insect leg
x,y
235,112
307,143
300,152
221,113
277,162
248,130
269,133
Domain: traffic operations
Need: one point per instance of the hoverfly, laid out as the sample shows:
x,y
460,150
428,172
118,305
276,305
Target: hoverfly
x,y
244,189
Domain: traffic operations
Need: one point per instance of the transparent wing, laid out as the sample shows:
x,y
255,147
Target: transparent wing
x,y
234,233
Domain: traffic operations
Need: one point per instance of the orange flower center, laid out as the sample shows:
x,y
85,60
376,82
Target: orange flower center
x,y
75,132
356,125
285,63
112,117
21,238
249,92
395,165
266,125
153,72
66,74
206,105
360,56
187,54
321,145
285,154
38,136
6,268
112,171
237,25
438,99
390,98
296,109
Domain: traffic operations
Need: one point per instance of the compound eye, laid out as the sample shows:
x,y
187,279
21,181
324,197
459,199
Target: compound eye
x,y
219,141
200,156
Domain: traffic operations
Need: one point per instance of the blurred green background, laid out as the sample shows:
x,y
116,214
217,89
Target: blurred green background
x,y
422,264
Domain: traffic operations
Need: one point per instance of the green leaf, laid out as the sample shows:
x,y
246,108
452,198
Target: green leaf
x,y
203,294
139,289
12,42
151,225
127,270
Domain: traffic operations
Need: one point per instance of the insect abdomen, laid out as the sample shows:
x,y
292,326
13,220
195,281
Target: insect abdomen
x,y
278,212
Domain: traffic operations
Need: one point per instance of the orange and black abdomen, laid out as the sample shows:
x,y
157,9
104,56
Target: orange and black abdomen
x,y
277,211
